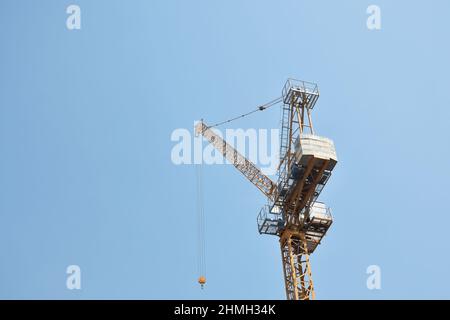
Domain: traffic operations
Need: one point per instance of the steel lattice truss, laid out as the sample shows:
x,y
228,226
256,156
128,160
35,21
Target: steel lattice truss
x,y
247,168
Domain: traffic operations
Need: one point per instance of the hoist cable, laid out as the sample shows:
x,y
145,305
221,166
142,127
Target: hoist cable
x,y
201,259
260,108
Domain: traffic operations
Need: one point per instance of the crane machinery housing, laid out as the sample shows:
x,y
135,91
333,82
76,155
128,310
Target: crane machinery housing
x,y
293,213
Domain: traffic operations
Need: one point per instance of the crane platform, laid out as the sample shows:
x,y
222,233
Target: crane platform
x,y
300,92
314,158
270,221
301,182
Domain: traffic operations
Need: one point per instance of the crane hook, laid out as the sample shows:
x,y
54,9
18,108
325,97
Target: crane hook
x,y
202,281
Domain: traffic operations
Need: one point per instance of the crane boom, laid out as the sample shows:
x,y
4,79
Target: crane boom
x,y
245,166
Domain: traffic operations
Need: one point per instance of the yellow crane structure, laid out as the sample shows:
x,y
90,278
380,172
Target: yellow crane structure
x,y
293,213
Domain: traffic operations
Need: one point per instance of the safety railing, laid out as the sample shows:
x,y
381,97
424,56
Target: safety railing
x,y
300,86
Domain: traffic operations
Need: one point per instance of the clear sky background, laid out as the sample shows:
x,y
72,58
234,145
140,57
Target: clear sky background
x,y
86,116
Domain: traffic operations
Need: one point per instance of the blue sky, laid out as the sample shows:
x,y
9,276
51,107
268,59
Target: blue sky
x,y
86,116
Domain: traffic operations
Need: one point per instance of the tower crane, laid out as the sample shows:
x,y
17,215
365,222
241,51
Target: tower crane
x,y
293,213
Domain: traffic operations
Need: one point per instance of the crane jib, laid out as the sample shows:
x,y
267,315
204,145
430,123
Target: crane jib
x,y
245,166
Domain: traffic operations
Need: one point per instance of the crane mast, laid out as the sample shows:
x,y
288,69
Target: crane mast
x,y
292,212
